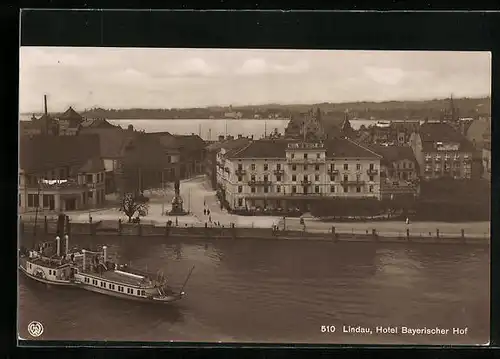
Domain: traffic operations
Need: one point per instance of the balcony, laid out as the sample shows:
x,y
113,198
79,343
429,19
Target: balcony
x,y
428,170
305,182
305,160
279,172
259,183
372,172
447,158
56,185
437,158
456,158
333,172
428,158
352,183
240,172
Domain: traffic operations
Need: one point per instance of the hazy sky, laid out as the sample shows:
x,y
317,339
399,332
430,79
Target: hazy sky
x,y
166,78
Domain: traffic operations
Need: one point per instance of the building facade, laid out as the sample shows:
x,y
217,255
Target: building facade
x,y
60,174
441,151
291,174
487,162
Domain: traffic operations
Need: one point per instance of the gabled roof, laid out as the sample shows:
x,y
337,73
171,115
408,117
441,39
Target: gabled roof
x,y
433,132
112,140
71,114
342,147
229,144
178,142
394,153
96,123
263,148
45,152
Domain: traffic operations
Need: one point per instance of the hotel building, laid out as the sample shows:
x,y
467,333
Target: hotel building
x,y
292,173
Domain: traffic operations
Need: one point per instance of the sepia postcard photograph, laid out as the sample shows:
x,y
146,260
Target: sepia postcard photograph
x,y
265,196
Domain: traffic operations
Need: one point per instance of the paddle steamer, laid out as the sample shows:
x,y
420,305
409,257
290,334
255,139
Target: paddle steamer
x,y
94,271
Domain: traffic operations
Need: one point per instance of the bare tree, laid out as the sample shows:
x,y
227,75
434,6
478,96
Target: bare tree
x,y
132,203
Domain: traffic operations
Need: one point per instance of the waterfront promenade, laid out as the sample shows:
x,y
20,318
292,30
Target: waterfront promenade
x,y
197,196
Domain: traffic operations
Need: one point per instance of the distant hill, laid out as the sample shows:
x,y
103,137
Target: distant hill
x,y
465,107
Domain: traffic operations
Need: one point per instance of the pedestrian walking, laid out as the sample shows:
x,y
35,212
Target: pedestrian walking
x,y
210,218
407,220
208,212
204,211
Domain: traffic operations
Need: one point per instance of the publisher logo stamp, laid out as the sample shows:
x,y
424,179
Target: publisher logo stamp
x,y
35,329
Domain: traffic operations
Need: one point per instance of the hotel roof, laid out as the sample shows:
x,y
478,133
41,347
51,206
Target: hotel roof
x,y
266,148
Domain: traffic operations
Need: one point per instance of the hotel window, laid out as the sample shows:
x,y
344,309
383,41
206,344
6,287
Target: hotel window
x,y
252,189
293,155
240,189
305,156
358,166
305,178
346,166
370,188
358,189
240,178
294,189
266,189
332,167
266,178
371,178
278,167
33,200
266,166
332,189
346,178
316,177
358,178
240,166
253,166
294,178
316,167
332,178
372,167
305,167
318,156
278,189
240,202
316,189
89,179
252,178
346,189
294,167
278,178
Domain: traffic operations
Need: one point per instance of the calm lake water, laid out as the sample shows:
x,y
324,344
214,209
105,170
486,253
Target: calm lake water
x,y
211,129
276,291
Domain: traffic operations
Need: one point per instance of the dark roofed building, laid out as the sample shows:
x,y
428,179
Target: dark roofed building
x,y
399,170
60,173
318,125
442,151
70,122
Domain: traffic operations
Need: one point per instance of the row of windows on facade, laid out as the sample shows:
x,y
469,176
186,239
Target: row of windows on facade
x,y
268,189
439,157
294,167
119,288
32,180
47,199
438,167
306,178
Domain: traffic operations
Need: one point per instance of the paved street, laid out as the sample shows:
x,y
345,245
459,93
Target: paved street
x,y
198,195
